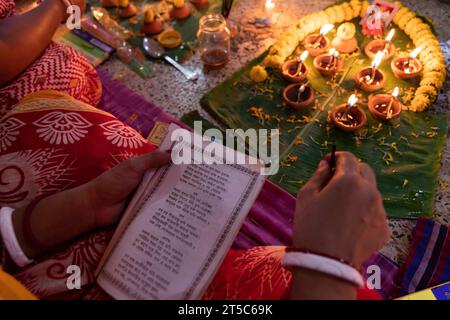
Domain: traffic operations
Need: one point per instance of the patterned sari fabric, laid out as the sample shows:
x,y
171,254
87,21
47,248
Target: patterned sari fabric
x,y
51,142
59,68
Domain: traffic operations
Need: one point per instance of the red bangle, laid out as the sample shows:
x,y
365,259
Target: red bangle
x,y
303,250
28,232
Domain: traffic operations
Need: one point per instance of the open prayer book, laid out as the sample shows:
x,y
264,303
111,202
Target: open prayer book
x,y
178,228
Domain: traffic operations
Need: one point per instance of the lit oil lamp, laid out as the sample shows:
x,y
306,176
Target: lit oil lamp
x,y
295,70
298,96
407,67
384,46
348,117
384,106
370,78
317,43
329,63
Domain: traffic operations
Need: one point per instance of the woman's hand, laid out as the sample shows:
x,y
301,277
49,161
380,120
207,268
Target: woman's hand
x,y
66,215
341,214
108,193
37,26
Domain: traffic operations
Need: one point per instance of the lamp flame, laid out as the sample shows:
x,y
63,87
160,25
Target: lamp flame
x,y
269,4
303,56
395,92
390,35
333,52
352,100
415,52
326,28
377,60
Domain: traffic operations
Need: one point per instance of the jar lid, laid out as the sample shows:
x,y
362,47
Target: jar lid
x,y
213,22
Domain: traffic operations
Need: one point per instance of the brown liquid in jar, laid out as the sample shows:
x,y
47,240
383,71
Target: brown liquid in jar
x,y
214,58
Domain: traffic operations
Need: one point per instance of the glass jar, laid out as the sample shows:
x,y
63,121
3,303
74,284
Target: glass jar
x,y
214,40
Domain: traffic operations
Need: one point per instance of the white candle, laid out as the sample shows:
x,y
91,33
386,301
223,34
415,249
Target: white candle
x,y
390,35
387,40
375,63
303,56
269,9
412,55
391,101
300,60
325,29
334,55
351,101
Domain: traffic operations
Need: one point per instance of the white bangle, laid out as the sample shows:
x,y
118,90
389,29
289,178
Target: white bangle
x,y
10,239
324,265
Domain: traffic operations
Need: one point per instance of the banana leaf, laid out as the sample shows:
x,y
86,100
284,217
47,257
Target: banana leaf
x,y
405,153
188,27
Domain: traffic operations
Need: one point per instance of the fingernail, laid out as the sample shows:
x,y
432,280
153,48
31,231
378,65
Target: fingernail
x,y
322,164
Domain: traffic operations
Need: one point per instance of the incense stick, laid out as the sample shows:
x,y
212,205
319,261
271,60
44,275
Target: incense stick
x,y
333,158
226,7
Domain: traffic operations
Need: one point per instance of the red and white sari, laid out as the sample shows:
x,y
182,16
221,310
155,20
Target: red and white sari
x,y
51,142
59,68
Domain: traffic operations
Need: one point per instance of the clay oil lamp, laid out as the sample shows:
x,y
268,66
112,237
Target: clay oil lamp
x,y
199,3
407,67
384,46
152,25
298,96
329,63
371,79
384,106
348,117
180,10
126,9
317,43
295,70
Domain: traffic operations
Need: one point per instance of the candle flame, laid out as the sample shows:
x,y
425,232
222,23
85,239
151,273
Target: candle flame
x,y
326,28
390,35
415,52
352,100
269,4
377,60
303,56
395,92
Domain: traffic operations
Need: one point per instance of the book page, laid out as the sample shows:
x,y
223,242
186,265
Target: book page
x,y
131,210
185,224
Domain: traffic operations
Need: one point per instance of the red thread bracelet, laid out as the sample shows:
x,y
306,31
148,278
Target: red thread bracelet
x,y
28,232
303,250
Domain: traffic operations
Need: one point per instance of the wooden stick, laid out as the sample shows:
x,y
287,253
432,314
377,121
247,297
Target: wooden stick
x,y
333,158
389,107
